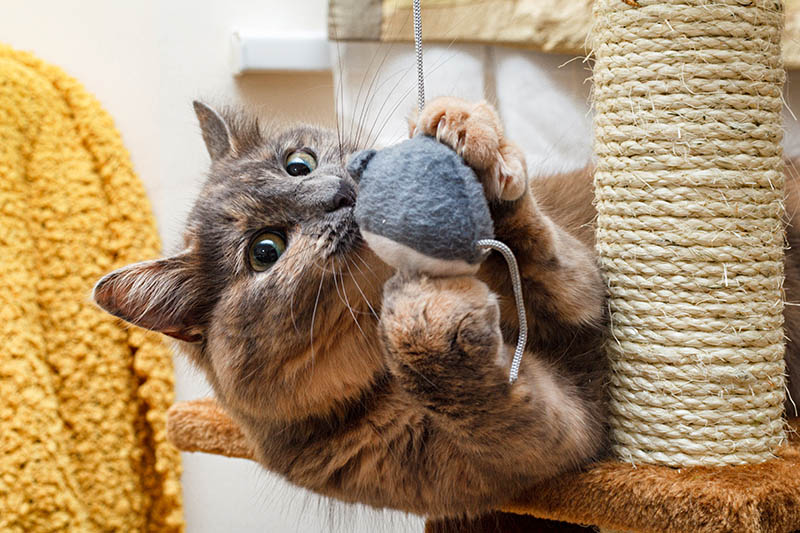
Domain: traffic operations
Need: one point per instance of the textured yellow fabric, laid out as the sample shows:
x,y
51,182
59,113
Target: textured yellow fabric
x,y
83,399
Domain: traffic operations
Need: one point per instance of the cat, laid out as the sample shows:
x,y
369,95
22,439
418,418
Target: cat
x,y
370,386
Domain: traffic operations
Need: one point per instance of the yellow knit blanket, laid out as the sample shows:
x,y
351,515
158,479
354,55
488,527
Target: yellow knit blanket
x,y
83,399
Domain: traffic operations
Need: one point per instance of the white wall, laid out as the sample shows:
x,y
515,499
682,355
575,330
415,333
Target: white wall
x,y
146,61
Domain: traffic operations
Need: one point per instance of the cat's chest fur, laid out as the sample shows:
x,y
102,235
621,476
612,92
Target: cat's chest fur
x,y
376,436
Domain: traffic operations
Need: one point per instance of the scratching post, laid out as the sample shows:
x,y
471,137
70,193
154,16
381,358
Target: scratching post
x,y
689,187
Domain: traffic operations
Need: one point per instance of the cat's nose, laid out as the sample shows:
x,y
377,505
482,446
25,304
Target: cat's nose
x,y
345,196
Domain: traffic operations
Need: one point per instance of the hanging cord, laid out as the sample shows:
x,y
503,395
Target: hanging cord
x,y
516,280
516,283
418,50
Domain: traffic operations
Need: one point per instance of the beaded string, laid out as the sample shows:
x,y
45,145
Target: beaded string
x,y
508,255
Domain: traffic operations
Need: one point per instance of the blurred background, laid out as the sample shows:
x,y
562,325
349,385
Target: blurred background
x,y
147,60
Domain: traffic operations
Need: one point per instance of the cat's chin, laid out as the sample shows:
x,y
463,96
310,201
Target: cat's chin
x,y
343,234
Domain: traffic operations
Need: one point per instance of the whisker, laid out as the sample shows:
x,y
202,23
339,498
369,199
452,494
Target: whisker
x,y
353,123
313,318
349,308
413,87
363,296
291,312
403,77
369,268
339,98
321,267
350,276
372,92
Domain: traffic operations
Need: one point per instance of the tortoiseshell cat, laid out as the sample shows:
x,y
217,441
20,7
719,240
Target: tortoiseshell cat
x,y
372,387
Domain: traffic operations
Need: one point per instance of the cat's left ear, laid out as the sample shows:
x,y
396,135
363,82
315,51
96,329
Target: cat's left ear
x,y
162,295
216,134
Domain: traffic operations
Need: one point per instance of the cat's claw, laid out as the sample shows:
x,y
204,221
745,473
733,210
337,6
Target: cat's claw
x,y
474,131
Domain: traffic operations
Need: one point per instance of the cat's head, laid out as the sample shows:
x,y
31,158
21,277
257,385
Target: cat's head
x,y
273,275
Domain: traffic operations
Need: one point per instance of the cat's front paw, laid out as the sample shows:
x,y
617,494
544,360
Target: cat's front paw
x,y
443,340
474,131
437,319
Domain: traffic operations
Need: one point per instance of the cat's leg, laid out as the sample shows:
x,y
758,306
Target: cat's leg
x,y
446,350
561,282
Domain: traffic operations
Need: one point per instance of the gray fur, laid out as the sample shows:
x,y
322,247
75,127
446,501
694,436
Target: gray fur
x,y
215,131
420,193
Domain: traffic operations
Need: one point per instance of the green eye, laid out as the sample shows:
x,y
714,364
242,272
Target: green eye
x,y
266,249
300,163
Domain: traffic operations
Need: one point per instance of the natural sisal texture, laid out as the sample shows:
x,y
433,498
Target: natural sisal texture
x,y
689,188
83,399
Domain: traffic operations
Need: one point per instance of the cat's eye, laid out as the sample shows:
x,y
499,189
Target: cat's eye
x,y
300,163
266,249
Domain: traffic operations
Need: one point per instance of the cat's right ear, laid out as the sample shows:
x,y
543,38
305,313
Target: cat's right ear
x,y
160,295
216,133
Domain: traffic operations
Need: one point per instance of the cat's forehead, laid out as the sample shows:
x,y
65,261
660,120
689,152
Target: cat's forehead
x,y
323,141
254,185
262,156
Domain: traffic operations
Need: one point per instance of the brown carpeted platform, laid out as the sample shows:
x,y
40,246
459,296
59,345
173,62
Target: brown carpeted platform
x,y
613,495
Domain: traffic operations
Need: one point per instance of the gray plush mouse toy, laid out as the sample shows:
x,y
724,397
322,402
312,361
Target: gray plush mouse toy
x,y
421,208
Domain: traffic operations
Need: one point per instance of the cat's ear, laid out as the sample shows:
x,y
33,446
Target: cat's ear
x,y
358,162
216,134
160,295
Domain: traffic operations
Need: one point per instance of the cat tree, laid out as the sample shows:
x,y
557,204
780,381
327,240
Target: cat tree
x,y
689,188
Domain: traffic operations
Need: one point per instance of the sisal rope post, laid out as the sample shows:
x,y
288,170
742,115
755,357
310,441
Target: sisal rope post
x,y
689,193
